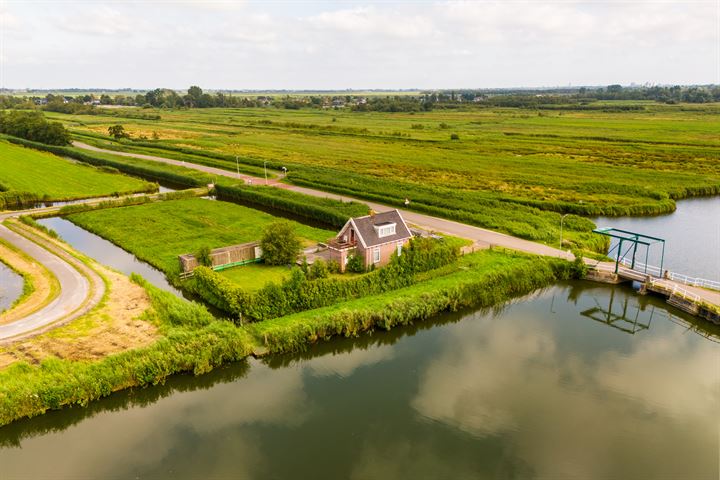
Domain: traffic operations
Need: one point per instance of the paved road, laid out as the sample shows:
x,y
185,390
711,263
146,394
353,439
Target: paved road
x,y
77,294
480,236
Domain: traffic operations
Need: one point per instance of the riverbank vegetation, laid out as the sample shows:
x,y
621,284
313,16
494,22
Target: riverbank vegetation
x,y
192,340
28,176
514,170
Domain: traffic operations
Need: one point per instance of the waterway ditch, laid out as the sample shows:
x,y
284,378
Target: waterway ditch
x,y
11,287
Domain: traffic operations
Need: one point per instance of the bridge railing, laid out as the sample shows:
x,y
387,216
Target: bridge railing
x,y
677,277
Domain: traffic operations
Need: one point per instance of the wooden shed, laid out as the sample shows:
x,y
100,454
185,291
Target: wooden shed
x,y
225,257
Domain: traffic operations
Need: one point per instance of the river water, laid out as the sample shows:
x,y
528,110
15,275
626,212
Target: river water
x,y
691,233
543,388
11,287
579,380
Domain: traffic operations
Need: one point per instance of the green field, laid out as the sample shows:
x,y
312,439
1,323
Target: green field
x,y
157,233
512,170
54,178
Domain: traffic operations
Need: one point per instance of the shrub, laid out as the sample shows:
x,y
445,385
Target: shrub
x,y
33,126
280,244
203,256
454,136
318,269
355,264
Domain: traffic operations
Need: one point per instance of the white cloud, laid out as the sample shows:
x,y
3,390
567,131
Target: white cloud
x,y
226,44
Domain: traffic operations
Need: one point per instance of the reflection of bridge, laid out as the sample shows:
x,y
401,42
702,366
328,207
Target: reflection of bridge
x,y
696,296
622,320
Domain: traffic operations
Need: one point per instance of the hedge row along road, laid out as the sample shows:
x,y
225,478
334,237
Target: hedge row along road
x,y
81,289
480,236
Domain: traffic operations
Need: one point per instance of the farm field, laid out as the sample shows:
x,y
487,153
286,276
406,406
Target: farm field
x,y
513,170
53,178
157,233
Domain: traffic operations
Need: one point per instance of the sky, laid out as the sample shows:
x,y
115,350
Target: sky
x,y
273,44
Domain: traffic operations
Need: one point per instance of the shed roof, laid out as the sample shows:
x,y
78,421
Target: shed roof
x,y
368,234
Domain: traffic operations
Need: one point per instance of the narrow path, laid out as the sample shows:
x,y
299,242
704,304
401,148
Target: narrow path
x,y
80,288
480,236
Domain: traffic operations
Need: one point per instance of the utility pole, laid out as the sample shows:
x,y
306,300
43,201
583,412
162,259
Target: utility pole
x,y
237,165
265,165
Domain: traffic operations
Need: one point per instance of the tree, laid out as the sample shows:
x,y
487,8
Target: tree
x,y
117,131
280,244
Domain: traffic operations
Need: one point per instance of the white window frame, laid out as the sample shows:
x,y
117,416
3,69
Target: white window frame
x,y
386,230
376,255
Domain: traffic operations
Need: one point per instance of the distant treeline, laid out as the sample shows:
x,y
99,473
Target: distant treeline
x,y
569,98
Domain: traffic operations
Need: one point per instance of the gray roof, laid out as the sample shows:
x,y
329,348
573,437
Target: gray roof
x,y
365,228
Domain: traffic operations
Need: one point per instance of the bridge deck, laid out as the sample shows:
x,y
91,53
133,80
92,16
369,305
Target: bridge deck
x,y
667,287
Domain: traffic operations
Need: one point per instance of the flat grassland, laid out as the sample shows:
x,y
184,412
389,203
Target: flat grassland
x,y
513,170
158,232
54,178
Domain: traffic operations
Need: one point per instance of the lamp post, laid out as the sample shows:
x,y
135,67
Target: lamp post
x,y
237,165
561,228
265,165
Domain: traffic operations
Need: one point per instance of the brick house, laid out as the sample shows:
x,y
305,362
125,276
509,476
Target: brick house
x,y
375,238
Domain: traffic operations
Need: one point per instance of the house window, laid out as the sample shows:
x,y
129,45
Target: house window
x,y
376,255
399,249
385,230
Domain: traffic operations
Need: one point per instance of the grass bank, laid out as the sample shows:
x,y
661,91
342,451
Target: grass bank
x,y
194,341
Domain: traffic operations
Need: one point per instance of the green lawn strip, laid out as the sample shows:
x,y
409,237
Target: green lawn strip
x,y
158,232
254,276
54,179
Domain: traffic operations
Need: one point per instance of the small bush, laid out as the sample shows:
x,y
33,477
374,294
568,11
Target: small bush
x,y
355,264
454,136
203,256
280,244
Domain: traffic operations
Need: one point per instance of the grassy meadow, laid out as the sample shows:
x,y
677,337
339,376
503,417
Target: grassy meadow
x,y
512,170
158,232
54,178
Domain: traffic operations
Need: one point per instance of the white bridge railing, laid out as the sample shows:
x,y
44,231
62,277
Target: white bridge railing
x,y
677,277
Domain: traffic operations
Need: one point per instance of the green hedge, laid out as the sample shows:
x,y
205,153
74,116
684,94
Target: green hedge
x,y
298,293
483,287
324,210
13,200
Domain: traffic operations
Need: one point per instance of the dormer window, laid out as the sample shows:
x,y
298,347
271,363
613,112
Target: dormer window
x,y
385,229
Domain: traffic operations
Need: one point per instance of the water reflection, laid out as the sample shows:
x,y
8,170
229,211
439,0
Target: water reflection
x,y
532,390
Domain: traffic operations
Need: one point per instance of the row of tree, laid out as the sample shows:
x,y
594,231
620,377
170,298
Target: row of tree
x,y
33,126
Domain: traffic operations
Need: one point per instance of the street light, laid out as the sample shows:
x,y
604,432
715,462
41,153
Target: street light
x,y
237,165
265,165
561,228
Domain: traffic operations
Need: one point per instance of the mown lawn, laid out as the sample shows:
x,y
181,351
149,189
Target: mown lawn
x,y
54,178
157,233
256,275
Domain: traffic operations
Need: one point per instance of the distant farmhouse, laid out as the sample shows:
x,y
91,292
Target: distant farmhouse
x,y
375,238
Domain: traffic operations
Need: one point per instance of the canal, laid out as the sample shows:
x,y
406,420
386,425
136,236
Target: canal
x,y
578,380
11,287
575,381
